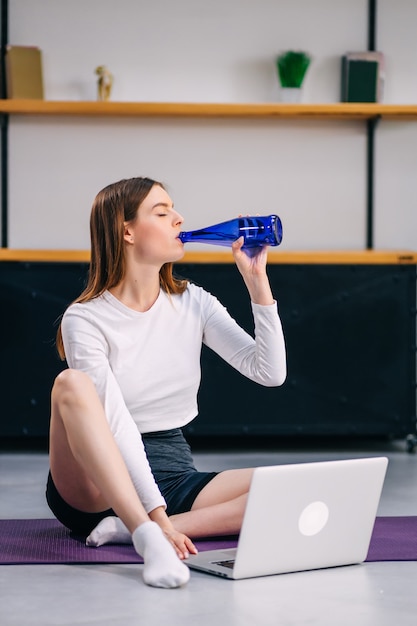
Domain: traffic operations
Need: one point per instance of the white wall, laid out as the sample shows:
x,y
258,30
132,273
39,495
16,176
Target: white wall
x,y
312,173
396,145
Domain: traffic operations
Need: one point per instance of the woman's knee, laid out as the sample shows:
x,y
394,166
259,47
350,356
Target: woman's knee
x,y
71,385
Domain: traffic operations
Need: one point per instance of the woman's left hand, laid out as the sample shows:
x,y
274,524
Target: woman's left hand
x,y
250,260
252,265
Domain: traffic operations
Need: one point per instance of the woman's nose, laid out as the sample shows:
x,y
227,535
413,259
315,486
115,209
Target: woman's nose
x,y
178,219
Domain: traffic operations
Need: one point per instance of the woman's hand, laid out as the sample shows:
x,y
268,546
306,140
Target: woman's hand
x,y
182,544
252,265
250,259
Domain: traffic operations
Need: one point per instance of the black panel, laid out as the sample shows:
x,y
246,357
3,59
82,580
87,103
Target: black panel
x,y
350,333
33,296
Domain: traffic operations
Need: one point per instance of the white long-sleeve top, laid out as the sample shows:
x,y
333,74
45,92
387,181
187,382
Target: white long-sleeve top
x,y
146,365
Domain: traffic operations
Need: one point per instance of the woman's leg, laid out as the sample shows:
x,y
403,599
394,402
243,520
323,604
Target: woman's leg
x,y
219,507
90,474
217,510
86,465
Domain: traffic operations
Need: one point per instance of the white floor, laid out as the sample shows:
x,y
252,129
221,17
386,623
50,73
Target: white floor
x,y
372,594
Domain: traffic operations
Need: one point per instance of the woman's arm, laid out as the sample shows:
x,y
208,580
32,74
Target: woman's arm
x,y
262,359
86,350
252,267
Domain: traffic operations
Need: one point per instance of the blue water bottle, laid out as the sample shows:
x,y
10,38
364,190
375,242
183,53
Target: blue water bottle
x,y
257,231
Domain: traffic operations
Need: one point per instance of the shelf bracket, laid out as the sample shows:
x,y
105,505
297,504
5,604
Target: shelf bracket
x,y
370,179
4,130
370,138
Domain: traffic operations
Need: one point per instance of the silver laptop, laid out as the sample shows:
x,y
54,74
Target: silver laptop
x,y
302,517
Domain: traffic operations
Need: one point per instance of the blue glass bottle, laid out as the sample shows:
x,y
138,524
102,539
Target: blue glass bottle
x,y
257,231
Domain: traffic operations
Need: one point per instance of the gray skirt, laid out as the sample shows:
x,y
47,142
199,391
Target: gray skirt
x,y
178,480
172,465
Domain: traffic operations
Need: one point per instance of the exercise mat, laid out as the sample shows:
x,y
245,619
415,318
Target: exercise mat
x,y
41,541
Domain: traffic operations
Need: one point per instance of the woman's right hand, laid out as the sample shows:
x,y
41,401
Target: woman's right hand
x,y
182,544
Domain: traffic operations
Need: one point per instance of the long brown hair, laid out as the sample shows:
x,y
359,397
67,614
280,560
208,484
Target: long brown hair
x,y
112,207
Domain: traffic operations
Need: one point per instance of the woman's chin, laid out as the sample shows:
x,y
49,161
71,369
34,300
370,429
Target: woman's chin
x,y
180,253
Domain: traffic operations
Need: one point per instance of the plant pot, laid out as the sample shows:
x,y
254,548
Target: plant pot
x,y
290,94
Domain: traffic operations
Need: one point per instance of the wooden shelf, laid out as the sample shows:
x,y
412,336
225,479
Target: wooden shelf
x,y
323,257
168,109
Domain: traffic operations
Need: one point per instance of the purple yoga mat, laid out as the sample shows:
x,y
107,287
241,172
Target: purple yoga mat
x,y
38,541
394,539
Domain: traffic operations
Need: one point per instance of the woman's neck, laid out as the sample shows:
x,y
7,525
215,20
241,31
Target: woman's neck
x,y
138,291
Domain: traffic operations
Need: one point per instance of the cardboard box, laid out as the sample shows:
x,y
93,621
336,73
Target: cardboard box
x,y
24,77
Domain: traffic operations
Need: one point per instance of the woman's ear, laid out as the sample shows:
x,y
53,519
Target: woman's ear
x,y
128,235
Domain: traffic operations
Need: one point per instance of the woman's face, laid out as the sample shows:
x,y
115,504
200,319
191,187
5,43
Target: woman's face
x,y
154,233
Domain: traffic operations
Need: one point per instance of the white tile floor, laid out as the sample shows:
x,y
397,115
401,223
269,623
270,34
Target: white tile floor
x,y
372,594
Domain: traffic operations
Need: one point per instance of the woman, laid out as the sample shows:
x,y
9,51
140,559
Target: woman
x,y
132,341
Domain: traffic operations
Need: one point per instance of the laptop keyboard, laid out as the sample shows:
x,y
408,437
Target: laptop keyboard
x,y
230,563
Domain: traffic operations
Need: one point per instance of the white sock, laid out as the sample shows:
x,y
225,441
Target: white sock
x,y
162,567
109,530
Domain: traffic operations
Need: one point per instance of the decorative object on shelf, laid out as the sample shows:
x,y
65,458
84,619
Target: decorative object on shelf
x,y
24,78
292,66
104,83
363,76
256,230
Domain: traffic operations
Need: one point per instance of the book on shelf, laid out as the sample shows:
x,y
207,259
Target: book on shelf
x,y
363,75
24,76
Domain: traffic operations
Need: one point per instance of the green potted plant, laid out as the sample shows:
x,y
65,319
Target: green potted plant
x,y
292,66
